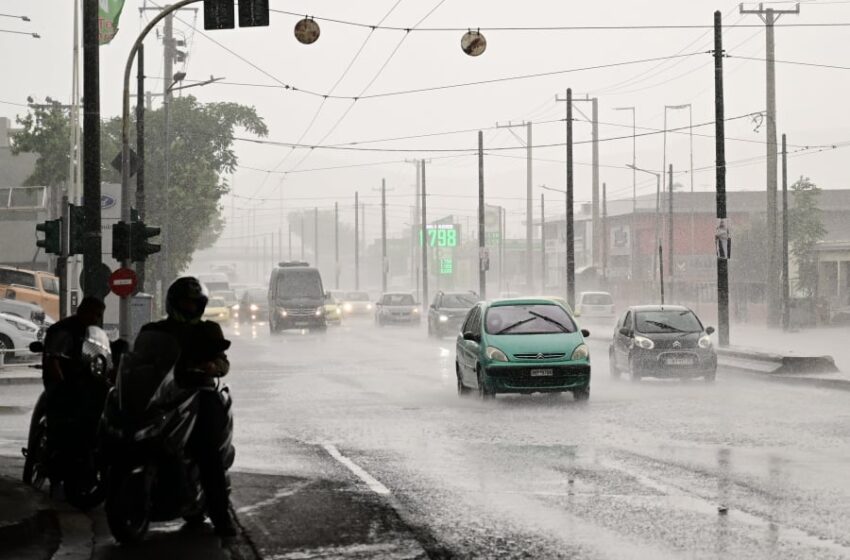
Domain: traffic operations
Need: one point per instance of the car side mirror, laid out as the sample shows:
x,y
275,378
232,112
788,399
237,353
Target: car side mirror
x,y
625,332
585,333
469,335
709,330
36,347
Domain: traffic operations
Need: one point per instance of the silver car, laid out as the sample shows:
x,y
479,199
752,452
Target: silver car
x,y
397,308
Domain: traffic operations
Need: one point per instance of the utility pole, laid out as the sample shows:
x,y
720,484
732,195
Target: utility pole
x,y
529,206
483,258
425,240
770,16
786,288
605,241
91,147
356,240
542,244
720,170
670,230
168,71
140,155
571,255
336,245
661,270
384,264
316,236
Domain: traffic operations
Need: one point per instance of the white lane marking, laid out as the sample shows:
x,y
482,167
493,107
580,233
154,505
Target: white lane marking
x,y
370,481
282,493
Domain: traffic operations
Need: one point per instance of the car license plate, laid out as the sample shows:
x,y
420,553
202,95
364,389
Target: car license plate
x,y
679,361
542,373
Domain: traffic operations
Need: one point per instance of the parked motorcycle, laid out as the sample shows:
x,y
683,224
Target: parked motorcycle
x,y
66,450
146,426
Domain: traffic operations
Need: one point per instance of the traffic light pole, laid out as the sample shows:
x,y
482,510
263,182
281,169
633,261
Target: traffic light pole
x,y
62,261
91,145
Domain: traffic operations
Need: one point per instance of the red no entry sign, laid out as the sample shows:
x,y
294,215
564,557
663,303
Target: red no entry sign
x,y
123,282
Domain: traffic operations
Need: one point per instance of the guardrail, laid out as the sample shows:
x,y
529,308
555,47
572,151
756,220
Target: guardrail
x,y
27,356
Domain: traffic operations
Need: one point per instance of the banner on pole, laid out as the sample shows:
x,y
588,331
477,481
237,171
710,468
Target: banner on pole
x,y
108,13
723,240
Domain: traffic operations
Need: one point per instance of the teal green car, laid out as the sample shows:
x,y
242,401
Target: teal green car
x,y
529,345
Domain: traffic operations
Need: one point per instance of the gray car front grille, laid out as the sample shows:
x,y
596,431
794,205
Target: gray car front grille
x,y
541,356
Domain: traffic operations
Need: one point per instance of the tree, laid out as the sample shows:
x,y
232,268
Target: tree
x,y
805,231
201,138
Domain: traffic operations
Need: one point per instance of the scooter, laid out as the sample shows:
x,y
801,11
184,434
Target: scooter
x,y
146,425
70,456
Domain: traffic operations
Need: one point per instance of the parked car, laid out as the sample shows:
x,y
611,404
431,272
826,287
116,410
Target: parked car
x,y
397,307
357,303
333,310
34,286
662,341
217,310
529,345
595,306
16,334
253,306
447,312
25,310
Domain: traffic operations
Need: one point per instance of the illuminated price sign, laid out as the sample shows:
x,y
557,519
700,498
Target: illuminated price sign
x,y
446,265
440,235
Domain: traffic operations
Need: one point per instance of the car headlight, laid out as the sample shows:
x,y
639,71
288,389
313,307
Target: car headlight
x,y
320,310
704,342
582,352
338,311
235,307
283,313
496,355
369,306
645,343
346,307
22,326
444,318
254,307
414,310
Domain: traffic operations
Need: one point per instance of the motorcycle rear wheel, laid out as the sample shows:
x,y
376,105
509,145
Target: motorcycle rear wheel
x,y
128,506
84,490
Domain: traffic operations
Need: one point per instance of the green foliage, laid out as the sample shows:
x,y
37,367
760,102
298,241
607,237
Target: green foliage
x,y
805,231
201,137
45,130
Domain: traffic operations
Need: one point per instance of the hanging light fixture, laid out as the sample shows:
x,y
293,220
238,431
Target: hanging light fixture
x,y
473,43
307,31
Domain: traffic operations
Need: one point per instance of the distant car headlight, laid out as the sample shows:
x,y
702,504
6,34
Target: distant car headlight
x,y
415,310
320,311
496,355
643,342
444,318
254,307
582,352
338,311
283,313
346,307
704,342
369,306
235,307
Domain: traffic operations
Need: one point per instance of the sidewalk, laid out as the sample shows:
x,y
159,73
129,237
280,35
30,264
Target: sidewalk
x,y
28,522
17,373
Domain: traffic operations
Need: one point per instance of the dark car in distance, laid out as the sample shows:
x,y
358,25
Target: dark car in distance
x,y
665,341
448,311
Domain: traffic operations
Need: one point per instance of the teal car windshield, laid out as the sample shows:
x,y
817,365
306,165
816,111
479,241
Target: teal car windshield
x,y
528,319
667,321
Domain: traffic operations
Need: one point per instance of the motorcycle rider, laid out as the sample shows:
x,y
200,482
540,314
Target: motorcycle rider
x,y
202,358
70,392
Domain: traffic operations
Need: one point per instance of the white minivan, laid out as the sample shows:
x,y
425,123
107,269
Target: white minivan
x,y
595,306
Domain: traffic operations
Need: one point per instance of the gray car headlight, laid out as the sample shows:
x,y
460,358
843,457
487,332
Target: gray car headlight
x,y
582,352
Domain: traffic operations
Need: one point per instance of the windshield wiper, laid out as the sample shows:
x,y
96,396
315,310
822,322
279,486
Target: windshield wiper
x,y
560,325
515,325
661,325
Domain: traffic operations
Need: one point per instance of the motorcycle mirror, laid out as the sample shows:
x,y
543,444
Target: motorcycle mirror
x,y
36,347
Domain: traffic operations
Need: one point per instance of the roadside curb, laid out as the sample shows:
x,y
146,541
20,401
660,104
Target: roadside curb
x,y
39,525
19,374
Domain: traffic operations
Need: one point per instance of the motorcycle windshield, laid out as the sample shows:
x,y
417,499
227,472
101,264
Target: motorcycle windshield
x,y
96,350
146,371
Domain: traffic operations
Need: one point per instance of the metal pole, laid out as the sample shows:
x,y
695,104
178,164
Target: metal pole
x,y
336,245
773,311
542,244
384,267
316,235
482,270
595,179
501,249
62,261
356,240
424,239
670,230
720,166
529,216
168,70
661,271
140,155
604,232
786,288
571,257
91,145
417,232
692,205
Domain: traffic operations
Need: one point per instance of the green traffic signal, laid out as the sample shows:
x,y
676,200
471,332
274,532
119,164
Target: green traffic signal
x,y
52,242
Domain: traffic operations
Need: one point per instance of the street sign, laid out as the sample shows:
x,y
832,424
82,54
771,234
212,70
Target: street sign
x,y
117,162
101,285
123,282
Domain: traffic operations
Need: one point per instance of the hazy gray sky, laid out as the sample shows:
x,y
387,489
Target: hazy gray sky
x,y
811,101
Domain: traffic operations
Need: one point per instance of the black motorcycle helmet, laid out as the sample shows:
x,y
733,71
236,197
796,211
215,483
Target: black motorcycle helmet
x,y
186,299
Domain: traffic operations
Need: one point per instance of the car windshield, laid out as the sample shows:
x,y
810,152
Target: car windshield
x,y
357,296
304,283
597,299
398,299
667,321
217,302
459,301
536,318
18,277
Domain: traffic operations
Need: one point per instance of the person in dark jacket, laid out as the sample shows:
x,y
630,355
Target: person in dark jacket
x,y
202,358
63,343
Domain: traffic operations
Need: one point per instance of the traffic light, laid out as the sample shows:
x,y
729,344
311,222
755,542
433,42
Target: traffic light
x,y
219,14
77,228
140,248
52,242
253,13
121,241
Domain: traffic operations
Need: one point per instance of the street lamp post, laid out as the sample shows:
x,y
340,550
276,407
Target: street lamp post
x,y
657,198
690,109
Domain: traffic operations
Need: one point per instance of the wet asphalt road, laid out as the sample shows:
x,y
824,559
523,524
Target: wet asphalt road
x,y
354,444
